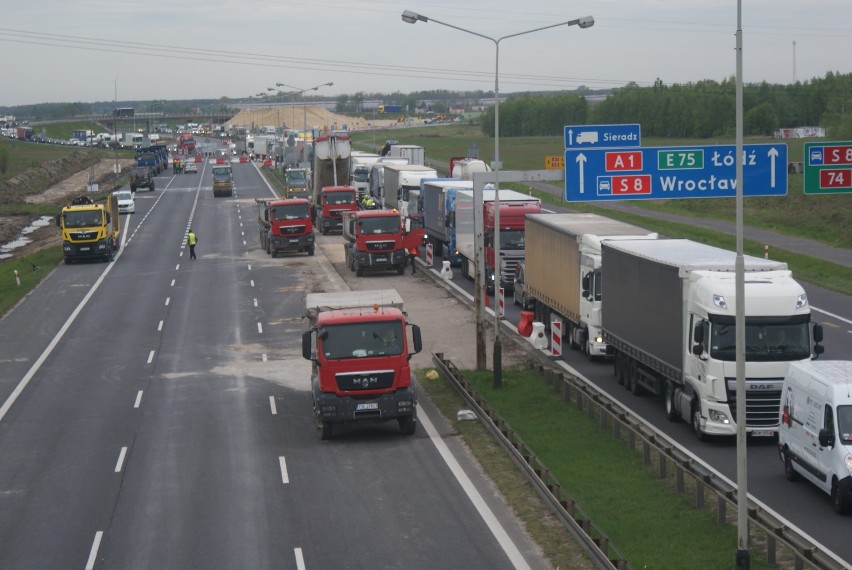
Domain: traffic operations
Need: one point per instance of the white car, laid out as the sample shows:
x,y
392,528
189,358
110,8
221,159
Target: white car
x,y
190,166
126,203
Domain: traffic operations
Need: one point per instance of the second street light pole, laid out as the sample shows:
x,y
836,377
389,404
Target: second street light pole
x,y
410,17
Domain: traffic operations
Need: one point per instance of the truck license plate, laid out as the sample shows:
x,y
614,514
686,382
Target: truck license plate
x,y
762,433
294,241
381,260
84,249
368,406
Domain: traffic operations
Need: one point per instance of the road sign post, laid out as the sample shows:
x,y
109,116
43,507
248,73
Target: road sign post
x,y
655,173
828,168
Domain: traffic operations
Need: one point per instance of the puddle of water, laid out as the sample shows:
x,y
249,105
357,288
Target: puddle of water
x,y
22,240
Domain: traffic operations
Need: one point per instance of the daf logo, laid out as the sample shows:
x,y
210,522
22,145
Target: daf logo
x,y
762,387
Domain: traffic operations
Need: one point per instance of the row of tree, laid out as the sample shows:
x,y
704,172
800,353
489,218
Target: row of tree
x,y
704,109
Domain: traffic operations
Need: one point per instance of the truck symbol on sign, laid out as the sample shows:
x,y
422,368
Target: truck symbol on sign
x,y
590,137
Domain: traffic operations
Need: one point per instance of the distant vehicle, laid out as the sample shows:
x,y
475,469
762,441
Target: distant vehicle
x,y
141,177
126,203
190,166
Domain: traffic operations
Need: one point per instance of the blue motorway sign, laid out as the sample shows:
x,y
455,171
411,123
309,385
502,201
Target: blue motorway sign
x,y
602,136
656,173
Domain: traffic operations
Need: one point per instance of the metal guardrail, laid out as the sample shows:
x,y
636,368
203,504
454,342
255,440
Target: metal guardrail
x,y
782,543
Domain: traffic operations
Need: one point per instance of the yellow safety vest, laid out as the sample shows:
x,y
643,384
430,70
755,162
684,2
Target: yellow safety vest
x,y
190,238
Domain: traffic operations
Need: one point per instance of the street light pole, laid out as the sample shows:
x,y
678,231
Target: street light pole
x,y
410,17
304,103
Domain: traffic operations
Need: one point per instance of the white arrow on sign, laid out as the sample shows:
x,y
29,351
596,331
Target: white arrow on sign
x,y
581,160
570,137
773,154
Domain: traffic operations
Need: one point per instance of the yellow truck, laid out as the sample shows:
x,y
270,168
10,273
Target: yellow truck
x,y
90,230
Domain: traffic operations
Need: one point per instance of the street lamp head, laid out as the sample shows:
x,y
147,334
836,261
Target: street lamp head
x,y
330,83
270,88
586,22
410,17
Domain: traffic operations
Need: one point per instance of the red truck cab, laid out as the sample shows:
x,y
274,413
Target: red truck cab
x,y
359,345
333,201
378,240
512,223
285,225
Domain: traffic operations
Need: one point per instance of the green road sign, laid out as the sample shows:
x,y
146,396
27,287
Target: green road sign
x,y
828,168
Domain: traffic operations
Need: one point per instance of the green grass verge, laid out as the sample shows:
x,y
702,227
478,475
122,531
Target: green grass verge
x,y
650,524
10,291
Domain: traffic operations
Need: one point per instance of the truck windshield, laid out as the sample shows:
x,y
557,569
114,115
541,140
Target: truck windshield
x,y
844,424
380,225
511,239
360,340
340,198
295,177
83,219
222,171
361,175
764,342
290,212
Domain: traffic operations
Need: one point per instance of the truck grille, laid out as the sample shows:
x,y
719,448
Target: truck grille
x,y
366,380
289,230
508,268
763,401
380,245
82,236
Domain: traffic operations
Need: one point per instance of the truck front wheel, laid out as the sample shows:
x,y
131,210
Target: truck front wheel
x,y
696,421
671,409
408,425
325,430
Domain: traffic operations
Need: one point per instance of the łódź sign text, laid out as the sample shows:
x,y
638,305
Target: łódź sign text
x,y
658,173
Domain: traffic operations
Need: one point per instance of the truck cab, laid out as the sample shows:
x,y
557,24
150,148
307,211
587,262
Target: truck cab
x,y
359,344
333,202
285,225
296,183
378,240
89,230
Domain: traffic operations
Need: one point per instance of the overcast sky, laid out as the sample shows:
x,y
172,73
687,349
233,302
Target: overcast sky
x,y
95,50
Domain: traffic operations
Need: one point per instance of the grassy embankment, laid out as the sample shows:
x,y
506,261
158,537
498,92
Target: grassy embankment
x,y
823,218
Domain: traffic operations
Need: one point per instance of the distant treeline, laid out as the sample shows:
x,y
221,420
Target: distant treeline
x,y
704,109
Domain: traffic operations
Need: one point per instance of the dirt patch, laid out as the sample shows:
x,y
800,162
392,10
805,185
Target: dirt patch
x,y
23,188
295,117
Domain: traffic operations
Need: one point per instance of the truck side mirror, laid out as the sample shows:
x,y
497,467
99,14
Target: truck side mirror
x,y
307,353
818,349
418,341
586,283
407,225
817,333
826,438
107,217
59,220
698,334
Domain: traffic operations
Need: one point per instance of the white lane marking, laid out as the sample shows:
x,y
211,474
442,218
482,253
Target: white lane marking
x,y
252,282
300,560
16,393
255,301
178,265
272,406
120,463
242,233
168,300
263,357
173,283
150,357
244,242
160,326
93,553
249,267
138,401
283,463
503,538
838,317
259,328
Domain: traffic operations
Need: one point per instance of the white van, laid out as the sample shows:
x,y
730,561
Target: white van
x,y
815,433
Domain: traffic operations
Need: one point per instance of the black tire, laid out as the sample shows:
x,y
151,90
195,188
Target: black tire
x,y
274,253
359,271
407,425
400,269
325,430
668,395
789,473
311,250
152,187
839,500
635,388
616,368
695,422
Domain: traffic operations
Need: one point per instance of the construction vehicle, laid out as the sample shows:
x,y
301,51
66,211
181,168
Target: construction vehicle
x,y
378,240
285,225
90,230
332,194
358,343
223,179
296,183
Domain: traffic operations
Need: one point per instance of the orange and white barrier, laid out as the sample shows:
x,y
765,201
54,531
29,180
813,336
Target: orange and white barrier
x,y
555,336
